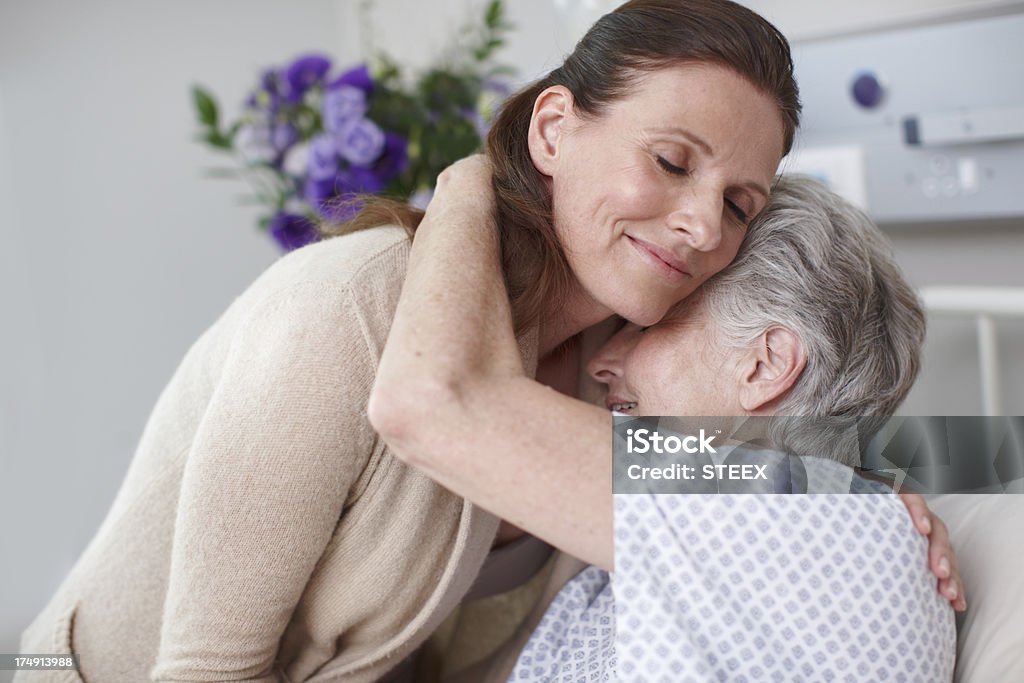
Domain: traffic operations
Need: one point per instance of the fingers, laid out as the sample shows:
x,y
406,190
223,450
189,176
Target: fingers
x,y
919,512
941,558
952,591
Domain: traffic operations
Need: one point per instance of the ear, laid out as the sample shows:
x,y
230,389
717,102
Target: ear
x,y
551,109
771,368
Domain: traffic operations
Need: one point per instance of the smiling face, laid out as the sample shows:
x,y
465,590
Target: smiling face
x,y
653,196
676,367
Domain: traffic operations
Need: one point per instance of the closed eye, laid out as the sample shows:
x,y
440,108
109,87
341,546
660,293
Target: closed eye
x,y
737,211
670,167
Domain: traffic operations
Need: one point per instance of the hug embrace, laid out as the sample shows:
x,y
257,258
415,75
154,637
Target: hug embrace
x,y
383,461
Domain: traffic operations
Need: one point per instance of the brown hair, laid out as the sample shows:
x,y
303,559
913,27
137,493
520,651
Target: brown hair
x,y
641,35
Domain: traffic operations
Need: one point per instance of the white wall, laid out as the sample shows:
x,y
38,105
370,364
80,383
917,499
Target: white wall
x,y
805,19
418,33
809,19
115,253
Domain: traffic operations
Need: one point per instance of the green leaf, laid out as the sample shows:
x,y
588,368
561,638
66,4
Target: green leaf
x,y
494,14
206,106
215,139
487,49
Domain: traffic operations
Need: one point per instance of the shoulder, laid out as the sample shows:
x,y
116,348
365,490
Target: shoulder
x,y
343,288
326,277
358,259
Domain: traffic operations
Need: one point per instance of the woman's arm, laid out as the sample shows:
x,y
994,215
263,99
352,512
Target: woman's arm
x,y
452,399
451,396
277,450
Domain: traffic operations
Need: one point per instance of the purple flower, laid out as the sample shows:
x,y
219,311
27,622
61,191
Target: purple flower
x,y
395,158
323,158
331,198
295,162
364,180
358,77
270,81
341,208
304,73
254,144
342,104
292,230
319,192
360,142
336,198
270,94
283,136
315,191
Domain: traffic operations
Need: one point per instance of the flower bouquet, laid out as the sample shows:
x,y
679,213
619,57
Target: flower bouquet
x,y
309,142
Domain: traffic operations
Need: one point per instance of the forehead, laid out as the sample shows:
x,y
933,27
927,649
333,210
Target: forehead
x,y
708,106
688,86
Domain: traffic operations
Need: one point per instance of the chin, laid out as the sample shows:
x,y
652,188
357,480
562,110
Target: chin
x,y
644,316
645,310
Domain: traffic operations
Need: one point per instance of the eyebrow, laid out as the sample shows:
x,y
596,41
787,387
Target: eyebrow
x,y
700,142
758,188
706,148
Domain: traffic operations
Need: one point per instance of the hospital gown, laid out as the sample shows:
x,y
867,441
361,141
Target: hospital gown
x,y
749,588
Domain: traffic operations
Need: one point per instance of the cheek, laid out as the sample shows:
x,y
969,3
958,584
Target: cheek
x,y
636,194
656,372
612,189
726,253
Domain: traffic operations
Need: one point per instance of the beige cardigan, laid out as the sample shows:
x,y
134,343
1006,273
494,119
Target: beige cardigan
x,y
263,532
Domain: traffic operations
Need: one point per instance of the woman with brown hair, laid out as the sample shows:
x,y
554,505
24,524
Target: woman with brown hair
x,y
264,532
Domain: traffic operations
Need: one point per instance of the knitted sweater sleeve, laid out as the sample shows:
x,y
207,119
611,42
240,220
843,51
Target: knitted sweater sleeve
x,y
279,446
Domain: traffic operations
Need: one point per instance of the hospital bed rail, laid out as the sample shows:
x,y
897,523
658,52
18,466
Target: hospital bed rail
x,y
985,305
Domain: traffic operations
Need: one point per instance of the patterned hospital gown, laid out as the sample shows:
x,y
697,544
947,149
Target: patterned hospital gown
x,y
748,588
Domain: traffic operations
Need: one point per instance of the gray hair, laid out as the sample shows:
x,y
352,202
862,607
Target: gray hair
x,y
817,265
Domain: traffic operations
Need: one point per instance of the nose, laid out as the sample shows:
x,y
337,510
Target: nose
x,y
607,364
699,218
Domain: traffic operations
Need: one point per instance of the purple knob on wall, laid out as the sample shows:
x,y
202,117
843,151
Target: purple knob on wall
x,y
867,90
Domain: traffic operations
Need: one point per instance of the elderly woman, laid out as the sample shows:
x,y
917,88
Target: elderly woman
x,y
263,531
813,318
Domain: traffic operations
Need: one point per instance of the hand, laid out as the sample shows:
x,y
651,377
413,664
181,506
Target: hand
x,y
465,185
941,558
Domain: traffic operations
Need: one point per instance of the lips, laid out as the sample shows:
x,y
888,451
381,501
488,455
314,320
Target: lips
x,y
618,403
667,263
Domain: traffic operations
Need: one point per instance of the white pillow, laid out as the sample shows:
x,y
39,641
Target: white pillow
x,y
987,531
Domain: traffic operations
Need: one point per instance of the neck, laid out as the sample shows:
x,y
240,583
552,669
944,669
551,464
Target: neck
x,y
576,314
